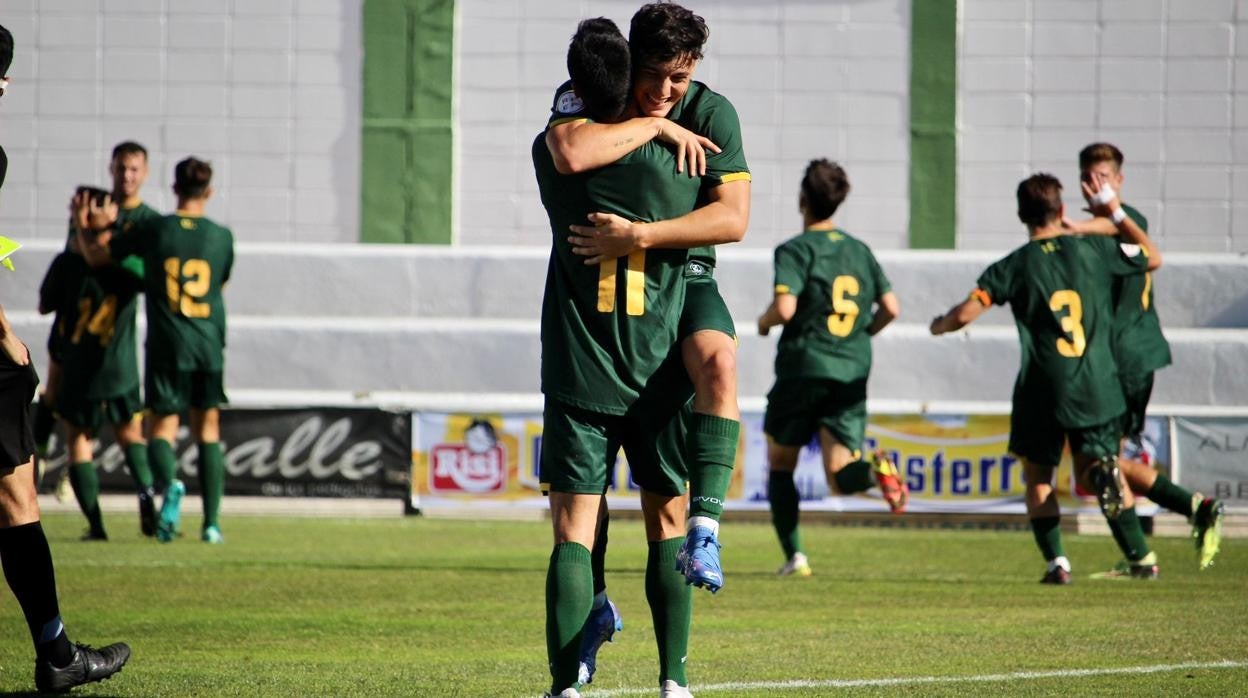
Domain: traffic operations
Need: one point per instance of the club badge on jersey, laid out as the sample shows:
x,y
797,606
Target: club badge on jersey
x,y
568,104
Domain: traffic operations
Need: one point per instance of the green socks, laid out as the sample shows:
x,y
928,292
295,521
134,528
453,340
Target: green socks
x,y
86,484
569,595
1170,496
163,462
136,460
712,454
1129,535
1048,533
855,477
671,608
211,481
782,494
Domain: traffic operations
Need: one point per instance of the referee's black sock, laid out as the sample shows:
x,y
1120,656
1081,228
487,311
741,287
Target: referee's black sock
x,y
28,569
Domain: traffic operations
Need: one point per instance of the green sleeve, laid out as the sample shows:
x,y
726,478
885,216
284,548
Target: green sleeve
x,y
50,289
1123,259
882,284
790,269
133,240
717,120
999,281
229,256
1136,216
134,265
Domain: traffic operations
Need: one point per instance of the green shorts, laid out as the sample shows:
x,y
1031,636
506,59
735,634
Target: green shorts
x,y
1038,437
1137,389
172,390
704,307
798,407
579,449
93,414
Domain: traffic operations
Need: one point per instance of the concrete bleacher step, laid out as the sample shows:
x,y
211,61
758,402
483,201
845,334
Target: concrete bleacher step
x,y
408,281
502,356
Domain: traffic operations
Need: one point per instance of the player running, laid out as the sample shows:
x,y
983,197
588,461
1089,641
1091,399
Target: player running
x,y
826,282
1060,289
185,329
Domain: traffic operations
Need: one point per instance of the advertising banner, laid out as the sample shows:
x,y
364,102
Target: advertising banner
x,y
1213,452
951,463
312,452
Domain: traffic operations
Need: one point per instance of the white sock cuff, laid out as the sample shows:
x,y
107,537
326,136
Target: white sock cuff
x,y
704,521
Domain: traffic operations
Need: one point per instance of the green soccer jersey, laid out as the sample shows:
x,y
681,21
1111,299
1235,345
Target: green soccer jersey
x,y
99,359
1139,345
1061,293
836,280
606,328
188,259
706,113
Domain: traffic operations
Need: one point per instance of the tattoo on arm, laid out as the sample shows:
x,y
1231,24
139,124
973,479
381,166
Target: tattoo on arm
x,y
622,142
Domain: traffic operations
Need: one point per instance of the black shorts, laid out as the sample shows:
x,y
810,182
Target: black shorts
x,y
17,391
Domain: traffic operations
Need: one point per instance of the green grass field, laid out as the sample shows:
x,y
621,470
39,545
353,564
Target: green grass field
x,y
445,608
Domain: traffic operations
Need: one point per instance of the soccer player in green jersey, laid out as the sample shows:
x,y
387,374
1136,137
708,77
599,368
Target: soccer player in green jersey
x,y
59,663
826,284
1060,289
1140,349
606,331
185,329
666,42
99,381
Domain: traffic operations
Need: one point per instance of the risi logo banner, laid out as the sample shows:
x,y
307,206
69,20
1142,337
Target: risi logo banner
x,y
457,468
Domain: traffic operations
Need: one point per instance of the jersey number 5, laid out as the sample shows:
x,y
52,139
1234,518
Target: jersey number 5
x,y
634,278
1072,323
185,296
844,311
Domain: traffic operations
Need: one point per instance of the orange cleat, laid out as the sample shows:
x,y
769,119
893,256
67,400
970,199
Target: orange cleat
x,y
892,486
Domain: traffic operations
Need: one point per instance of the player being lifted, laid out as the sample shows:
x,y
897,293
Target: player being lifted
x,y
95,336
1140,349
666,42
826,282
1060,289
185,328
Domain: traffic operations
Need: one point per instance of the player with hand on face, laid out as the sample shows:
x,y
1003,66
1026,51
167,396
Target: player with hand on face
x,y
95,339
826,282
189,258
1060,289
1140,349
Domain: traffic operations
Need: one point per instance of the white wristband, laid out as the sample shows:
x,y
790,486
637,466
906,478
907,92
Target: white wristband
x,y
1105,195
1118,215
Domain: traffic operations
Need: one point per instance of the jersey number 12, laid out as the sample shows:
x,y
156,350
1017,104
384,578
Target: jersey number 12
x,y
185,297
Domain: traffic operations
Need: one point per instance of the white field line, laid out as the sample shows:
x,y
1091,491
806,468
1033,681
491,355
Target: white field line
x,y
919,680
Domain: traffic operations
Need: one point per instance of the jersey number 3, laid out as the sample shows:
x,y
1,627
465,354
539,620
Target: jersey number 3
x,y
844,311
1072,323
185,297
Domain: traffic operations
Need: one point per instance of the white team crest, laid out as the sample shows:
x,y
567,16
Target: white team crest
x,y
569,103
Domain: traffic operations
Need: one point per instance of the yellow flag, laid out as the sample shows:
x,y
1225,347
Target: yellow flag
x,y
7,248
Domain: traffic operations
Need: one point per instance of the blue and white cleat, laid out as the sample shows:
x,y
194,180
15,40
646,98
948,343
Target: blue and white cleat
x,y
698,560
212,534
170,512
600,627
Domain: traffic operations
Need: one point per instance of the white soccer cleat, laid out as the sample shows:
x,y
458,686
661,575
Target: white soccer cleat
x,y
797,566
671,689
565,693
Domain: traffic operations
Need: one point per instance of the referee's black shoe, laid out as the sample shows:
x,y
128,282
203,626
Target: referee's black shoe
x,y
88,665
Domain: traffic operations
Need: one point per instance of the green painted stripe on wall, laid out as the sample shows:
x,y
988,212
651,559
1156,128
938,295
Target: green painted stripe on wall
x,y
407,185
933,128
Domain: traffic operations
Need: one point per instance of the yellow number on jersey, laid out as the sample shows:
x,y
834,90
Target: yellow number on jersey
x,y
635,280
101,323
183,295
1072,323
844,311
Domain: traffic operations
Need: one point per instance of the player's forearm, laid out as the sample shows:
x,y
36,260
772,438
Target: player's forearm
x,y
94,249
581,146
716,223
1132,233
881,320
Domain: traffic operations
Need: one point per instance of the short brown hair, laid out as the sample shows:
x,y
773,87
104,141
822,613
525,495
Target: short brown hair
x,y
1100,152
825,186
1039,200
